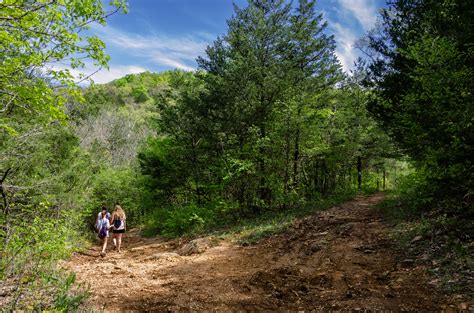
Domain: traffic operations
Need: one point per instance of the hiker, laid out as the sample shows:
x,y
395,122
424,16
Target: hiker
x,y
118,222
103,230
99,216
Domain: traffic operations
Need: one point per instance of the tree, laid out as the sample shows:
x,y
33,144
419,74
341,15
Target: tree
x,y
41,162
271,56
267,123
35,37
421,73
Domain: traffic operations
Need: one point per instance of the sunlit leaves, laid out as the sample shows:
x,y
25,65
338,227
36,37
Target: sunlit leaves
x,y
38,40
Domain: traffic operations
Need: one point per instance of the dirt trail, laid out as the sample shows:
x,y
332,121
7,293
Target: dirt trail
x,y
338,259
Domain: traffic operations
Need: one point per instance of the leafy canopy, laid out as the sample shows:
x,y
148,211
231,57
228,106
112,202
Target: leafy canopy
x,y
40,41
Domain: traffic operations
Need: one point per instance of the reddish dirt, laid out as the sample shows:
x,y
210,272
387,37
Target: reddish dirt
x,y
338,259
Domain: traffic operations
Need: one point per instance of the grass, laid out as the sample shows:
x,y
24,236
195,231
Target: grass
x,y
252,229
246,229
397,210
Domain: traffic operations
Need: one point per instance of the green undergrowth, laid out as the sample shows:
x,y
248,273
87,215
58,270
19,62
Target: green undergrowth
x,y
244,229
50,289
250,231
436,238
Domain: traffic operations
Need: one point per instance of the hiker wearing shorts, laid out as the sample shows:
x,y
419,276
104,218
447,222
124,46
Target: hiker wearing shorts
x,y
118,222
103,224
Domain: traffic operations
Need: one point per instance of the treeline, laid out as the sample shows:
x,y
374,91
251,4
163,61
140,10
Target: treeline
x,y
421,78
269,121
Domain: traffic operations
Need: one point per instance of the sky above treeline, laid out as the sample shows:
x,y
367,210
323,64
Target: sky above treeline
x,y
158,35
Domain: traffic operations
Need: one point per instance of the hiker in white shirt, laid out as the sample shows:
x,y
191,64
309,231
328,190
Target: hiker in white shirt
x,y
103,231
99,216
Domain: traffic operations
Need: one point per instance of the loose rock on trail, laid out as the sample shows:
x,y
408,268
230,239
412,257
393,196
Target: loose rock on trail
x,y
338,259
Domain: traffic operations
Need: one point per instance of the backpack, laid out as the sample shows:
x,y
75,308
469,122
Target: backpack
x,y
103,231
117,223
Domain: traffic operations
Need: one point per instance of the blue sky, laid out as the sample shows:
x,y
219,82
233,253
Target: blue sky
x,y
159,35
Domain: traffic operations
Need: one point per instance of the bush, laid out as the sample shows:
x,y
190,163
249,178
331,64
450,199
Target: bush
x,y
28,268
179,220
122,186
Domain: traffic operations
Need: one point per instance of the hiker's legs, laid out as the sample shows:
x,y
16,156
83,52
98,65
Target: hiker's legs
x,y
115,241
104,244
119,241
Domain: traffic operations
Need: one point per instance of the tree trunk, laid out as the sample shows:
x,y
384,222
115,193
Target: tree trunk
x,y
378,179
264,191
296,155
287,158
195,171
6,207
359,173
384,175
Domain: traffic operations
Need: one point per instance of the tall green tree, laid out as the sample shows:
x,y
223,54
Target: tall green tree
x,y
271,56
421,72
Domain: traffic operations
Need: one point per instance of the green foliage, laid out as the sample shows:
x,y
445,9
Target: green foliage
x,y
225,219
179,220
122,186
441,239
113,123
422,77
269,123
184,220
41,187
252,229
65,299
27,29
140,94
45,234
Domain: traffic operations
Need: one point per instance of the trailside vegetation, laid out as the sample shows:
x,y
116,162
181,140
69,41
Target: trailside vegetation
x,y
269,122
41,163
421,78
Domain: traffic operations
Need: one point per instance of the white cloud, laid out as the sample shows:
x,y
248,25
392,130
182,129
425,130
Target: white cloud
x,y
160,50
99,77
170,61
153,50
345,51
114,72
365,11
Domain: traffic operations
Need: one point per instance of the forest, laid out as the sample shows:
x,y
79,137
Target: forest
x,y
268,129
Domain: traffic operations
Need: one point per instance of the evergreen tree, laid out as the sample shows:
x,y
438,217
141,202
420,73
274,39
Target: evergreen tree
x,y
422,75
268,121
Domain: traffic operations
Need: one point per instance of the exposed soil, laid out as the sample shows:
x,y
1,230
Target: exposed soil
x,y
338,259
